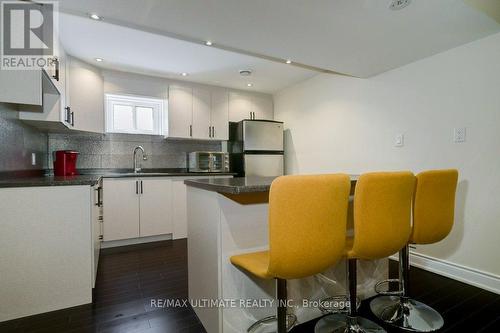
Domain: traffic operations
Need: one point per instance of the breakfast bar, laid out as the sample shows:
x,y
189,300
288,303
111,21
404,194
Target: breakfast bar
x,y
228,217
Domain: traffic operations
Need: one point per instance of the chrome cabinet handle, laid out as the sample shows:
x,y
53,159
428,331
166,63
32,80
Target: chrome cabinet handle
x,y
191,130
142,188
213,131
136,187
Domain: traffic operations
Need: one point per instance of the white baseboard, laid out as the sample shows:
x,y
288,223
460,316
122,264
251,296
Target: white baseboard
x,y
133,241
457,272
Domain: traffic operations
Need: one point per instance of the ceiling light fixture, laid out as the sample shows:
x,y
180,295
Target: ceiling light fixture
x,y
98,59
249,85
288,61
184,74
208,43
399,4
94,16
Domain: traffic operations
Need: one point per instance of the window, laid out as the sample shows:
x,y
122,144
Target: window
x,y
134,115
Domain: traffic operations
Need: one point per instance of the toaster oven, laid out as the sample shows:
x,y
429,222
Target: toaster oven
x,y
208,161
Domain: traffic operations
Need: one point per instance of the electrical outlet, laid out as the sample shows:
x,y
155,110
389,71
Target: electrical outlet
x,y
399,141
459,135
33,158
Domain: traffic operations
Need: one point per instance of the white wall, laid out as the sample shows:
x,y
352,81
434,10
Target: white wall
x,y
336,123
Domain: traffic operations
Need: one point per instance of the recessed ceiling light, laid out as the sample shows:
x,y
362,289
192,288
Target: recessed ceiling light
x,y
98,59
288,61
249,85
208,43
184,74
94,16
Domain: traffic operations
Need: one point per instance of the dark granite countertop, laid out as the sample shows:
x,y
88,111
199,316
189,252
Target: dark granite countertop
x,y
89,180
238,185
91,176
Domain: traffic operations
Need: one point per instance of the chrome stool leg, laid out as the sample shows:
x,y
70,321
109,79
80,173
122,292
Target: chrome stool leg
x,y
351,322
284,321
403,312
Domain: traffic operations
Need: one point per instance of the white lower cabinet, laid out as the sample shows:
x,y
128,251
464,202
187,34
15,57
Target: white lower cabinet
x,y
155,217
136,208
144,207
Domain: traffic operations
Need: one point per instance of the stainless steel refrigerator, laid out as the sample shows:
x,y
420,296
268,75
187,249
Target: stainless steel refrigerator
x,y
256,148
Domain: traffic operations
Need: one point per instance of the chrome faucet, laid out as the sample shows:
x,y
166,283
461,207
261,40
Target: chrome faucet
x,y
144,158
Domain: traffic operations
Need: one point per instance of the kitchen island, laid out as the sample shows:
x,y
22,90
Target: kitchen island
x,y
228,217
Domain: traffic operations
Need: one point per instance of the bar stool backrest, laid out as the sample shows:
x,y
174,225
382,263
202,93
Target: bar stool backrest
x,y
434,205
382,213
307,223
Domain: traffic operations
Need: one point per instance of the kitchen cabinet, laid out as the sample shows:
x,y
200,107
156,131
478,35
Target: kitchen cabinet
x,y
202,101
53,114
219,116
46,243
180,111
97,219
244,105
179,205
155,216
121,209
198,113
136,207
263,107
84,96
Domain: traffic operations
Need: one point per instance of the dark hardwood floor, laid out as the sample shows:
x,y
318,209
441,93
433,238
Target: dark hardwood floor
x,y
129,278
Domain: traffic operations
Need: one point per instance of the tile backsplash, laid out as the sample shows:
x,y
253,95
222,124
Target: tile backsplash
x,y
18,141
116,150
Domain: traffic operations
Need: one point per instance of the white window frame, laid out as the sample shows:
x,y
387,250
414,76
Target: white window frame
x,y
135,101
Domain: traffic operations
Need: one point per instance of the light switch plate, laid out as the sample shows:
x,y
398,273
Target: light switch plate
x,y
399,141
459,134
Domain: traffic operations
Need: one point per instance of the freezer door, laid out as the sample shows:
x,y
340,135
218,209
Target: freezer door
x,y
262,135
263,165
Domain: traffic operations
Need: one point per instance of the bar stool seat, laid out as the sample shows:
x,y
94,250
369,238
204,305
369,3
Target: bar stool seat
x,y
256,263
307,231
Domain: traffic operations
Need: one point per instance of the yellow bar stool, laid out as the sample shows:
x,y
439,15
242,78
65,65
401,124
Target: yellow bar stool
x,y
307,231
433,214
382,218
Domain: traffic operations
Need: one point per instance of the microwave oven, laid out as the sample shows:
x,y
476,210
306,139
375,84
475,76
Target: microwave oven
x,y
208,161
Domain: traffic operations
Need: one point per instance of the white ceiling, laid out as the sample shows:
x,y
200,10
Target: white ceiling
x,y
356,37
142,52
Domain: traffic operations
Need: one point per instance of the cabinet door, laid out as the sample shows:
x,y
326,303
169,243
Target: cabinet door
x,y
155,207
240,106
180,111
201,113
219,118
86,89
121,209
263,107
179,208
22,87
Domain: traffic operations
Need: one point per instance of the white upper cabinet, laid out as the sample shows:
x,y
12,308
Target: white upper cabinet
x,y
219,117
198,113
201,113
51,92
85,97
180,111
240,106
263,107
244,105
